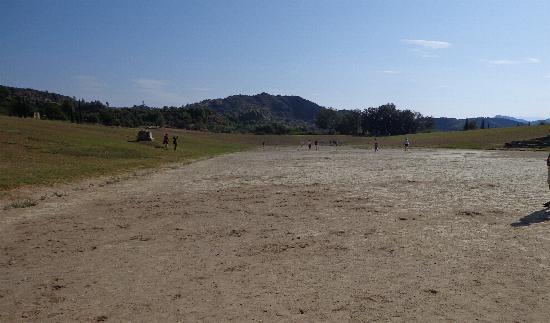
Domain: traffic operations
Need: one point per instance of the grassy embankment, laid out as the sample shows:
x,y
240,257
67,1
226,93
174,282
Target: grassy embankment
x,y
45,152
473,139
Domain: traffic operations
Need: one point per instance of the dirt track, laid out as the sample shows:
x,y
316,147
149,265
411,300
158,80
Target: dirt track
x,y
287,235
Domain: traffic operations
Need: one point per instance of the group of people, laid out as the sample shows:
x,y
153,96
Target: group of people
x,y
376,145
174,141
309,144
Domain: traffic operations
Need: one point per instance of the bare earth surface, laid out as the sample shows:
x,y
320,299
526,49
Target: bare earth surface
x,y
288,235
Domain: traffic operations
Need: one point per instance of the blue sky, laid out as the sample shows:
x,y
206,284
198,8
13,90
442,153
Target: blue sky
x,y
442,58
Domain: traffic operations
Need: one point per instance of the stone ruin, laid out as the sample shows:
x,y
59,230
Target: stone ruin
x,y
145,135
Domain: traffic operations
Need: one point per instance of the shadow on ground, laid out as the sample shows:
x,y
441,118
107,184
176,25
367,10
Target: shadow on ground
x,y
535,217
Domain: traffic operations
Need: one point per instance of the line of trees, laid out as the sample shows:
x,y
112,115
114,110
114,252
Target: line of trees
x,y
194,117
381,121
384,120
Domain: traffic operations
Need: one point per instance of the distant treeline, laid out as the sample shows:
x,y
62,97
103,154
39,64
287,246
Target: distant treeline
x,y
193,118
385,120
260,114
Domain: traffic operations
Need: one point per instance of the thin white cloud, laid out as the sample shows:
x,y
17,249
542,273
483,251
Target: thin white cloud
x,y
156,91
547,76
428,44
528,60
391,72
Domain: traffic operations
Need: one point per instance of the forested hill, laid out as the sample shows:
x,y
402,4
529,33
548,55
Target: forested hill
x,y
32,96
261,113
264,106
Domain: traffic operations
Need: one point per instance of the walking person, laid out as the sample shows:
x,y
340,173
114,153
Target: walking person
x,y
309,144
375,145
547,204
316,144
165,141
407,143
175,142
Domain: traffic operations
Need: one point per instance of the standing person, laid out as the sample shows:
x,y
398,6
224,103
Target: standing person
x,y
263,144
165,141
309,144
547,204
316,144
175,142
375,145
407,143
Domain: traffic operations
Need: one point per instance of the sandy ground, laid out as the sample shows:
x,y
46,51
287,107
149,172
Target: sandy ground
x,y
288,235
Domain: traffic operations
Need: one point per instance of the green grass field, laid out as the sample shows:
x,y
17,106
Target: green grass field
x,y
45,152
473,139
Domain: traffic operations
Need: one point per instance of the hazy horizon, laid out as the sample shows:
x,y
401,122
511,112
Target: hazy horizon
x,y
453,58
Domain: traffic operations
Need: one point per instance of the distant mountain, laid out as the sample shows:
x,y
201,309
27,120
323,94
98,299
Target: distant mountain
x,y
511,118
263,107
452,124
241,113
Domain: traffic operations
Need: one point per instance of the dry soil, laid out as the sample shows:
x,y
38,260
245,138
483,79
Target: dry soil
x,y
289,235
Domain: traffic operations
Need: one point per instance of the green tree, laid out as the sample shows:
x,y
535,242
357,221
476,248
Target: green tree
x,y
20,108
53,112
470,125
349,122
327,119
68,109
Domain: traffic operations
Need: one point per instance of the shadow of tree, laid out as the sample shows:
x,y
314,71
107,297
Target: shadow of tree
x,y
535,217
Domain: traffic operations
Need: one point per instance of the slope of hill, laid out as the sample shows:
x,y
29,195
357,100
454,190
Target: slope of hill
x,y
532,121
264,106
452,124
262,113
31,95
511,118
241,113
44,152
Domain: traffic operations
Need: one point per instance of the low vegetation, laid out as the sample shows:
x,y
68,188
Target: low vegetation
x,y
20,204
